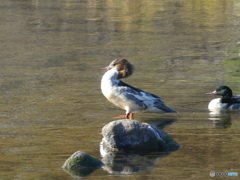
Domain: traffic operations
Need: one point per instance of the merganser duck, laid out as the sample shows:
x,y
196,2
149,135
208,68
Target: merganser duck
x,y
128,97
228,100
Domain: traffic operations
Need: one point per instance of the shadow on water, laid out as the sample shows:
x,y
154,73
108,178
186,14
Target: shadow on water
x,y
161,123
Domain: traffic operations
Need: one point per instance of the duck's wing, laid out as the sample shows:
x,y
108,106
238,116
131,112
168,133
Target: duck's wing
x,y
235,99
138,93
160,105
235,102
143,98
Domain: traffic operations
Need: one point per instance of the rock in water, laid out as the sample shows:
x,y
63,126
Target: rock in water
x,y
126,134
81,164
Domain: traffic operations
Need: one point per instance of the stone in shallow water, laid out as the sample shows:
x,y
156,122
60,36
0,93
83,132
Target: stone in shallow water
x,y
128,134
81,164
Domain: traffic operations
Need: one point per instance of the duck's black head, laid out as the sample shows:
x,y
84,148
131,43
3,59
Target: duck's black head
x,y
124,68
223,91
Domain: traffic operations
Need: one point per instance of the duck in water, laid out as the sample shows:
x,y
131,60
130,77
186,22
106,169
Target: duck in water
x,y
227,101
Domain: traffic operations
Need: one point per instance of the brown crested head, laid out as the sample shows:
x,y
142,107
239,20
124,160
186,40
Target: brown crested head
x,y
124,68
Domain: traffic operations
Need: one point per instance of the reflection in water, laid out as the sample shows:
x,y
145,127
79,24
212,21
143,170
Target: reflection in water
x,y
130,163
220,118
161,123
80,173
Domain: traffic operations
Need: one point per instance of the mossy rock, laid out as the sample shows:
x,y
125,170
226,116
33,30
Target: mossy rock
x,y
81,164
170,143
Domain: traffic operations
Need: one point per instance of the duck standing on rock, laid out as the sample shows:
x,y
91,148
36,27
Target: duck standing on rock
x,y
128,97
228,100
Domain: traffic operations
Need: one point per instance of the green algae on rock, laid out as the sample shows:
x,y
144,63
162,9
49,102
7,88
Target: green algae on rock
x,y
81,164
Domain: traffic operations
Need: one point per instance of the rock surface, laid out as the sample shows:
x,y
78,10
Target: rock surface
x,y
126,134
81,164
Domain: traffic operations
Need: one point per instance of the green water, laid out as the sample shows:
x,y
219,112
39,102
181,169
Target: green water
x,y
51,102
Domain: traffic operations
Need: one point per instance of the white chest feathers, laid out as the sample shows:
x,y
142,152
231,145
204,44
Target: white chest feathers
x,y
108,83
216,104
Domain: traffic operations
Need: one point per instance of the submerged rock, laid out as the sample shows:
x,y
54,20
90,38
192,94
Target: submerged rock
x,y
81,164
126,134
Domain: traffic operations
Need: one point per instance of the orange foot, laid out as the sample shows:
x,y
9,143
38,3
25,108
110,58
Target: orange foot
x,y
127,116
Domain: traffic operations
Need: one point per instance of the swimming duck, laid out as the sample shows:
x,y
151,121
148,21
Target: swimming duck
x,y
127,97
228,100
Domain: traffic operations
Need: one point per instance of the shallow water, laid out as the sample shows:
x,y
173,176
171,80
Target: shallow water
x,y
51,102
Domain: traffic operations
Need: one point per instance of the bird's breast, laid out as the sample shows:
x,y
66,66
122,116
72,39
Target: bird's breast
x,y
216,104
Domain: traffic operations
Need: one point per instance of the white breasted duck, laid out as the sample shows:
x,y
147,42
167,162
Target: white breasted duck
x,y
228,100
125,96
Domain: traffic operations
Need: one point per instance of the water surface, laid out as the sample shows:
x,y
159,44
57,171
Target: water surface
x,y
51,102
